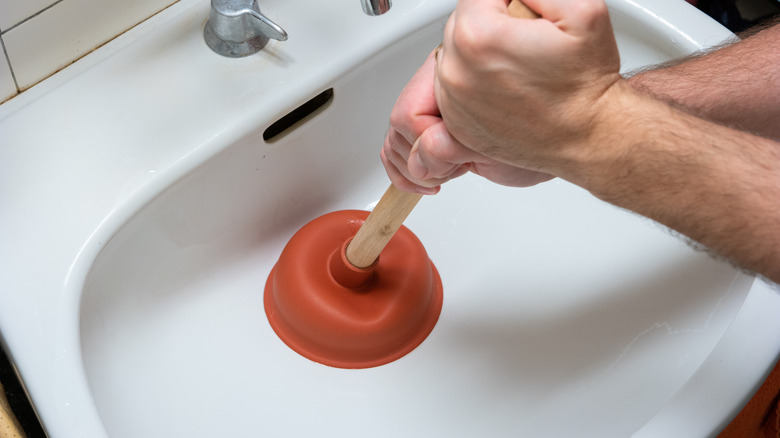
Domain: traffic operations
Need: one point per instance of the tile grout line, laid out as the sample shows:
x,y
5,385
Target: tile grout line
x,y
55,3
30,17
10,67
5,51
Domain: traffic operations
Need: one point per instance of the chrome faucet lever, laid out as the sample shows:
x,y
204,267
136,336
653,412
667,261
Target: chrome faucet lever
x,y
237,28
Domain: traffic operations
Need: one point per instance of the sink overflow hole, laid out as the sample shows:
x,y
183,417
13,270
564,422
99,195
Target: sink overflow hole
x,y
298,116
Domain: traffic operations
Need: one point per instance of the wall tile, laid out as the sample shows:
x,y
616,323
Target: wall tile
x,y
69,30
14,11
7,86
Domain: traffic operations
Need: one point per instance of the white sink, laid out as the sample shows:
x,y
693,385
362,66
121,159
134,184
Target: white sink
x,y
142,223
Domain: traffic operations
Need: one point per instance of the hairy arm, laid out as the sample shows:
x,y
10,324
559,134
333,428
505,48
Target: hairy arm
x,y
716,185
737,85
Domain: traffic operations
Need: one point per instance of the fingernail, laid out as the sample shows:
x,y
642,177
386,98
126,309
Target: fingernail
x,y
427,190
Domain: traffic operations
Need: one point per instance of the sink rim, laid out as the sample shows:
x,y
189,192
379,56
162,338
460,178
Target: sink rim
x,y
68,298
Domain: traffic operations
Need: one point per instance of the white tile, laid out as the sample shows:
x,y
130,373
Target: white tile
x,y
7,86
14,11
68,31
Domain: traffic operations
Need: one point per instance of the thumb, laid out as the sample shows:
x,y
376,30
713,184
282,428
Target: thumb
x,y
437,155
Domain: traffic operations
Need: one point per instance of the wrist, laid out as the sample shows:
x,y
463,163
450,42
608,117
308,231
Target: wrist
x,y
603,153
639,147
716,185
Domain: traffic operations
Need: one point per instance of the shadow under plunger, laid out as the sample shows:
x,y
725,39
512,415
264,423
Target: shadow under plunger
x,y
334,299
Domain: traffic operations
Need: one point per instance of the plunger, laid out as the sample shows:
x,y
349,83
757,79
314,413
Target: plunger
x,y
333,298
354,289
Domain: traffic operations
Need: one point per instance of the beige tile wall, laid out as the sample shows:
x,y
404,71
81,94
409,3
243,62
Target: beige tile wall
x,y
40,37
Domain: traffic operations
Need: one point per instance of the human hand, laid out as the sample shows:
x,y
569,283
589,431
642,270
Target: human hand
x,y
526,93
419,154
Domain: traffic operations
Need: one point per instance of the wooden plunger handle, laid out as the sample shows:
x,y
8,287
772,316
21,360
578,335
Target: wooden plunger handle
x,y
395,205
380,226
518,9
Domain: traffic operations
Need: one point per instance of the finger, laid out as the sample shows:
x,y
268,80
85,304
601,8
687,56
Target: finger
x,y
397,143
476,8
396,151
401,167
480,26
394,157
482,20
579,17
400,164
437,155
402,182
416,107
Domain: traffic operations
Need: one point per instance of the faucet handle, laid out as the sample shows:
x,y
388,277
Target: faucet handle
x,y
268,27
237,28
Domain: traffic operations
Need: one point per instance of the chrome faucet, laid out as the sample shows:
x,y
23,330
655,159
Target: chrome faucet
x,y
237,28
375,7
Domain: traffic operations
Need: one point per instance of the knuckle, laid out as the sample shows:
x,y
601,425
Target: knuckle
x,y
590,11
471,44
387,147
452,81
397,118
471,38
383,155
394,142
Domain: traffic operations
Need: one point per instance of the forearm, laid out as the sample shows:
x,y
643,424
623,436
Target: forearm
x,y
718,186
738,85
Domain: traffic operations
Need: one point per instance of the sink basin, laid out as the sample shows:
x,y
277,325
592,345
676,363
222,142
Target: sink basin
x,y
144,226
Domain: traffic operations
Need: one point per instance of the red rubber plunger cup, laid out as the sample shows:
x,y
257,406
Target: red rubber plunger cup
x,y
324,304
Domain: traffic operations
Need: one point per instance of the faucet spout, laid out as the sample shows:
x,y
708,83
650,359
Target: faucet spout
x,y
375,7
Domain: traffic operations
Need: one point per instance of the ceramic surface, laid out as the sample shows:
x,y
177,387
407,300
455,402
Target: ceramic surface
x,y
143,224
